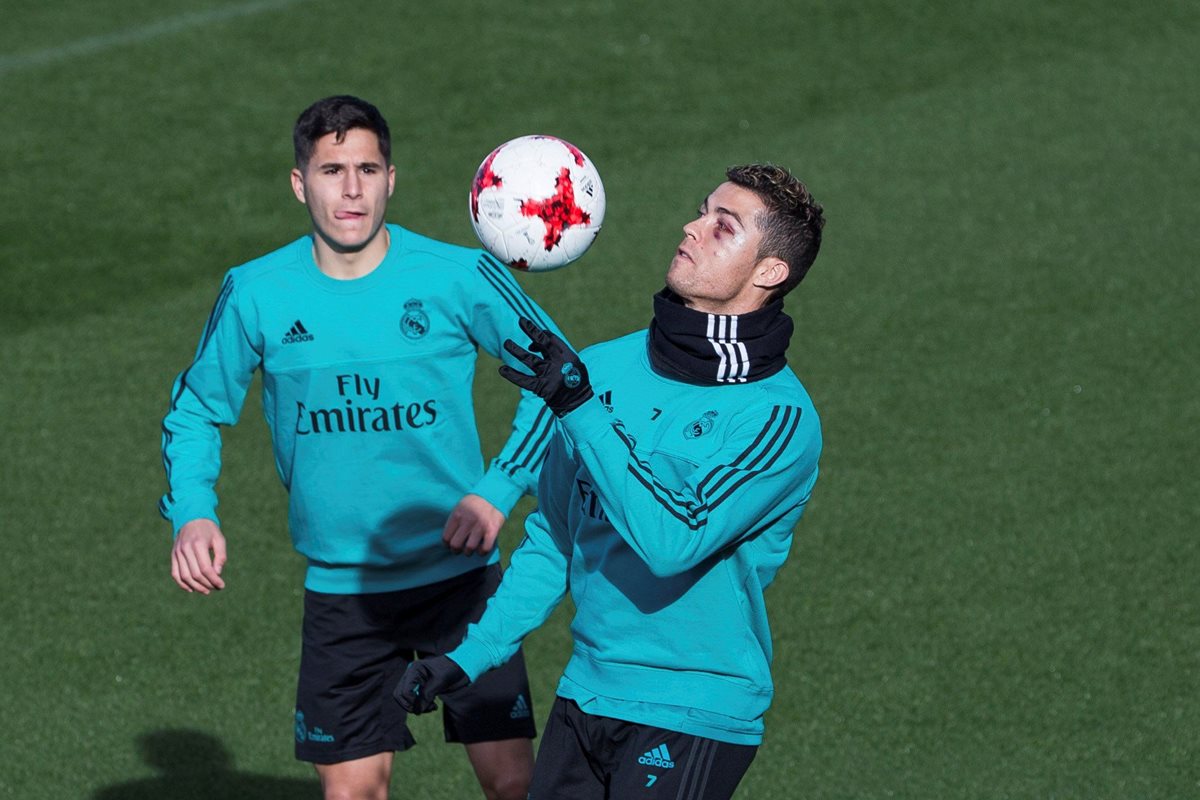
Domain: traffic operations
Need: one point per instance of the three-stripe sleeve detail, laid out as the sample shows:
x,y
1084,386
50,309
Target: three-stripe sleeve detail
x,y
532,449
770,443
210,328
508,289
759,457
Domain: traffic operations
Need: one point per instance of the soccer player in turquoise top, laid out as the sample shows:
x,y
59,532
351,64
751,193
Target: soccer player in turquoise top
x,y
366,335
666,506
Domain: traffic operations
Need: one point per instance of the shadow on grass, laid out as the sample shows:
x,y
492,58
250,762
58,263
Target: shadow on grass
x,y
192,764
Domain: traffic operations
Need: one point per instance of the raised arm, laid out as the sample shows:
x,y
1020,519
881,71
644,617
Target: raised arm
x,y
763,473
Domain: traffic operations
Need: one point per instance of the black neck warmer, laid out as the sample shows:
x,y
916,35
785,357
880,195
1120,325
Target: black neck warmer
x,y
713,349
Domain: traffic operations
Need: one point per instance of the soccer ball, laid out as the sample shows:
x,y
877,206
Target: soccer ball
x,y
537,203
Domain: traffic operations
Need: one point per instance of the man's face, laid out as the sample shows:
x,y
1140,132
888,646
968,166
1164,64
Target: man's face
x,y
346,187
714,268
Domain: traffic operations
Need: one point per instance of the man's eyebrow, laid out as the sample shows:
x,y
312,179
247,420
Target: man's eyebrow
x,y
734,214
369,163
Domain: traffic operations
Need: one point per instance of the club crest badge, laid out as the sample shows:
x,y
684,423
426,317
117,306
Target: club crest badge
x,y
571,375
301,728
415,322
697,428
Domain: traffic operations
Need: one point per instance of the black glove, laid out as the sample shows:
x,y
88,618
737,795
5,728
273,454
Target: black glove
x,y
559,377
424,680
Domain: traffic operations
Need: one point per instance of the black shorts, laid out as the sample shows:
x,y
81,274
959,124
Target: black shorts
x,y
356,647
586,757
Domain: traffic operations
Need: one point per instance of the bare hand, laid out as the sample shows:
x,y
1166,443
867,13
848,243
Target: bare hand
x,y
198,557
473,526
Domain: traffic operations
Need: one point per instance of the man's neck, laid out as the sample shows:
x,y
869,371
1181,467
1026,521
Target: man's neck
x,y
749,300
346,265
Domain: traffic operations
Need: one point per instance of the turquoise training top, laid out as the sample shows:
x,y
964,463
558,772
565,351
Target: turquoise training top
x,y
367,391
666,508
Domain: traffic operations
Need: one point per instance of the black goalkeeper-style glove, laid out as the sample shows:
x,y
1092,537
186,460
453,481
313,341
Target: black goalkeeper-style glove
x,y
559,377
424,680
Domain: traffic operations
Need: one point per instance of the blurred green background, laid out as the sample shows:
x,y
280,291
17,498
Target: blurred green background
x,y
993,593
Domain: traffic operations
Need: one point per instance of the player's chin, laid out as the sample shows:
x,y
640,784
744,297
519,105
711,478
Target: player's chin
x,y
350,238
677,275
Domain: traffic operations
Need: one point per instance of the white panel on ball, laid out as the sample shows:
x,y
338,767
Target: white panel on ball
x,y
537,203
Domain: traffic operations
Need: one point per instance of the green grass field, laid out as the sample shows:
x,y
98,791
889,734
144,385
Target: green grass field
x,y
994,591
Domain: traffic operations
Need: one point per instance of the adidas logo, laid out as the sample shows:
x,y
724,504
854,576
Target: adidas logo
x,y
520,709
658,757
606,401
298,333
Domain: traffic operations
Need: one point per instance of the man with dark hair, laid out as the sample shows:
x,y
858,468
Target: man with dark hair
x,y
793,221
366,335
666,507
337,115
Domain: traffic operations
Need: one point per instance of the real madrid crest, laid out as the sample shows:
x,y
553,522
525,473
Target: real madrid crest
x,y
571,375
697,428
415,322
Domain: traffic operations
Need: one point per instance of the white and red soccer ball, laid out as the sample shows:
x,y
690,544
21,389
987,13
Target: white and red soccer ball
x,y
537,203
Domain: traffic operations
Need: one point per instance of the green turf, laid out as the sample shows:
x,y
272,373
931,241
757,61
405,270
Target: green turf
x,y
994,592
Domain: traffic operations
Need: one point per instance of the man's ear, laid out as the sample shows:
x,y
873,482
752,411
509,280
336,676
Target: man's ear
x,y
770,272
298,185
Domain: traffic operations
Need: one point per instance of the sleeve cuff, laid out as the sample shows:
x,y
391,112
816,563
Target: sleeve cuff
x,y
587,422
499,490
185,509
472,657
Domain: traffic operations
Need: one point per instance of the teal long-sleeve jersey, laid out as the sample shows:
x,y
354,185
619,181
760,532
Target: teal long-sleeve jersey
x,y
367,392
666,508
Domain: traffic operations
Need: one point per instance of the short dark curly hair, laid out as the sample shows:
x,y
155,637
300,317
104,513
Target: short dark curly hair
x,y
337,115
793,221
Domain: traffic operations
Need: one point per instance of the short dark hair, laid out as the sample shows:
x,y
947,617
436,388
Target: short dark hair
x,y
793,221
337,115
